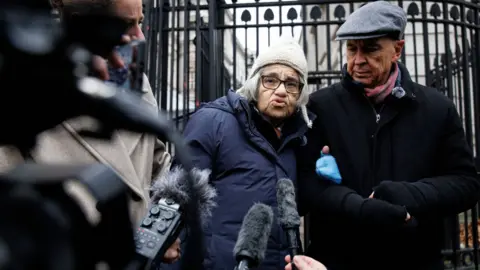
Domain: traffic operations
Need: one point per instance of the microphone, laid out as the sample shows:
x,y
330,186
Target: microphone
x,y
173,186
165,219
253,237
288,216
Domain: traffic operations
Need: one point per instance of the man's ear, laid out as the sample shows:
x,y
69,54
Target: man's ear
x,y
398,46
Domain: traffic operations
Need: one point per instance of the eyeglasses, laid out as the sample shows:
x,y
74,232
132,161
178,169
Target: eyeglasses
x,y
272,83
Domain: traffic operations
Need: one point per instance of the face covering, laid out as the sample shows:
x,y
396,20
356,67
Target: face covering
x,y
120,76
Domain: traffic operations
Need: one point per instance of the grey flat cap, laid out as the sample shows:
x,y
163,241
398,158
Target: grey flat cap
x,y
373,20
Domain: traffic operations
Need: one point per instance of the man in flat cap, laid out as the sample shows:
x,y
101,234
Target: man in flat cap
x,y
401,150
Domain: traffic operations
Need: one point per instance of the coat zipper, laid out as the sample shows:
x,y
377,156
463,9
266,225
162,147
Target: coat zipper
x,y
259,136
252,131
377,115
374,138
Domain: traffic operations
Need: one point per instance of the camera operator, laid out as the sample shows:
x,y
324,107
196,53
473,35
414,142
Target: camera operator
x,y
135,157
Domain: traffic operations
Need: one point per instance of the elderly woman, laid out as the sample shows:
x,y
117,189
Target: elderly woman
x,y
248,138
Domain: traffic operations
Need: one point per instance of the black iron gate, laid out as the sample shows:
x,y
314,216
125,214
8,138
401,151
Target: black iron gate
x,y
199,49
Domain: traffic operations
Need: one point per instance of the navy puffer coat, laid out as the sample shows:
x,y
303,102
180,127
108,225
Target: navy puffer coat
x,y
245,169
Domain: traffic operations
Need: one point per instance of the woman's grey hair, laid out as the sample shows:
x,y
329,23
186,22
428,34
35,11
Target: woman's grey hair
x,y
249,90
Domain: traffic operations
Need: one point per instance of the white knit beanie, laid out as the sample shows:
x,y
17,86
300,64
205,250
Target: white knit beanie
x,y
285,51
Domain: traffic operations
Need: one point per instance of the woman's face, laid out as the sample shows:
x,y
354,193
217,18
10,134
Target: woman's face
x,y
278,92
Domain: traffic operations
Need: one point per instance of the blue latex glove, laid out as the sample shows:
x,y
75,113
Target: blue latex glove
x,y
326,167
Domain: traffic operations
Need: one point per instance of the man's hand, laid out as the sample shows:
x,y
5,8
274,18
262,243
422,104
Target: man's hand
x,y
326,167
304,263
100,64
173,253
372,197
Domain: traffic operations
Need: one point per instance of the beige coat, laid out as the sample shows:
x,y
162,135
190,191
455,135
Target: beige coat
x,y
135,157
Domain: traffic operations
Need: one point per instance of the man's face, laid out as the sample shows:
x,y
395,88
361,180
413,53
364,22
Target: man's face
x,y
369,61
132,12
278,100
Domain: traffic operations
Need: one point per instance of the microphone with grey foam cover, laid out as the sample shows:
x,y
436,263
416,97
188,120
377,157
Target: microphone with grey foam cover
x,y
249,250
288,216
173,185
167,215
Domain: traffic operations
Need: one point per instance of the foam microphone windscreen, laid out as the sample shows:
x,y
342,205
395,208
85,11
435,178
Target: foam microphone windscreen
x,y
253,236
287,206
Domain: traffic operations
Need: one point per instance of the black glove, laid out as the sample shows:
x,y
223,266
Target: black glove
x,y
394,192
397,193
375,211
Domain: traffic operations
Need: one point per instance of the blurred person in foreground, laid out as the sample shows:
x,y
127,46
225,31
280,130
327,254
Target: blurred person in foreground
x,y
137,158
247,139
401,150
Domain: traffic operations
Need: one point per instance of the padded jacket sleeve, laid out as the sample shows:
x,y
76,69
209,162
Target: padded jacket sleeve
x,y
455,189
315,194
201,136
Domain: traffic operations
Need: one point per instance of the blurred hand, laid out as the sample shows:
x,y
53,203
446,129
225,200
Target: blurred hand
x,y
326,149
173,252
304,263
100,64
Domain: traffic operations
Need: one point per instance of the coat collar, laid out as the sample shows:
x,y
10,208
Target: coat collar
x,y
404,82
295,125
294,128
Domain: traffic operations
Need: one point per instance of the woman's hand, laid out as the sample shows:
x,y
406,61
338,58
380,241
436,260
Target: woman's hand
x,y
173,253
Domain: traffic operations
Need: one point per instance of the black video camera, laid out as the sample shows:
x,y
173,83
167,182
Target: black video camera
x,y
43,227
46,64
